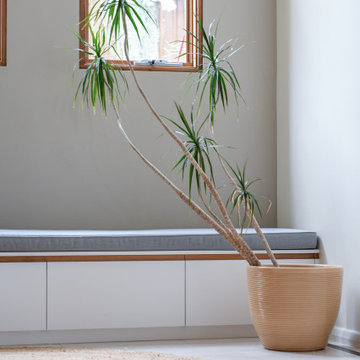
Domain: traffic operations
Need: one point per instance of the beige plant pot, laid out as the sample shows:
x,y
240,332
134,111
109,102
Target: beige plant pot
x,y
294,307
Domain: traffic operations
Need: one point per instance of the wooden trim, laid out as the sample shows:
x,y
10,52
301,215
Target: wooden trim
x,y
189,23
280,256
90,258
169,257
22,259
3,31
200,14
76,258
284,256
83,11
85,63
192,62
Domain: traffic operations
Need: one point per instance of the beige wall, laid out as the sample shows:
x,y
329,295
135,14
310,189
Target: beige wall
x,y
318,134
64,168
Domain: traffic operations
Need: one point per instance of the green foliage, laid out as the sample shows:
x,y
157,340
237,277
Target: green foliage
x,y
198,146
242,196
216,74
99,80
111,13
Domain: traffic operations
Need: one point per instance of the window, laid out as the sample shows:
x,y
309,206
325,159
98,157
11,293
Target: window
x,y
3,32
160,49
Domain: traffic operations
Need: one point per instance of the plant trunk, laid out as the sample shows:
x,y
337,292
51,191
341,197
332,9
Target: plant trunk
x,y
233,237
261,236
244,251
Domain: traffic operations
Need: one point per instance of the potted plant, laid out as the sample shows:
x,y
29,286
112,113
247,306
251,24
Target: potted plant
x,y
284,300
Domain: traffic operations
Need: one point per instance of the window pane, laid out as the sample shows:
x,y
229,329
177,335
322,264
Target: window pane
x,y
162,42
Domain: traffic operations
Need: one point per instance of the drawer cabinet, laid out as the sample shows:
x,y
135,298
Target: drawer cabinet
x,y
88,295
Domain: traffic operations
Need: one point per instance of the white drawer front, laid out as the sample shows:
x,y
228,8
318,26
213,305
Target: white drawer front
x,y
216,293
22,296
94,295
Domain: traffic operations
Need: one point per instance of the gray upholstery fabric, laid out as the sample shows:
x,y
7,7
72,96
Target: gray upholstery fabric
x,y
146,240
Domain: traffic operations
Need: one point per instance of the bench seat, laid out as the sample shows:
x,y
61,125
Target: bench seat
x,y
147,240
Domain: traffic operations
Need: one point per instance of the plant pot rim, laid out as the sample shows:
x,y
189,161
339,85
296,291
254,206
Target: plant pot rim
x,y
295,267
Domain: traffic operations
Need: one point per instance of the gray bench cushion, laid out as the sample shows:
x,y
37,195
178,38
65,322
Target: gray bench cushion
x,y
146,240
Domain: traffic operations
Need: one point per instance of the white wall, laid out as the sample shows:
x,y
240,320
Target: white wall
x,y
65,168
318,132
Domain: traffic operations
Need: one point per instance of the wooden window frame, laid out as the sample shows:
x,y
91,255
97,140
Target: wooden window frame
x,y
3,29
193,62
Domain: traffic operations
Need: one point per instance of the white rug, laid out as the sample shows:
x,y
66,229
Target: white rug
x,y
76,353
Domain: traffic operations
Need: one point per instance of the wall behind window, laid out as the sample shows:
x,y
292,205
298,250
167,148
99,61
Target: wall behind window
x,y
64,168
318,134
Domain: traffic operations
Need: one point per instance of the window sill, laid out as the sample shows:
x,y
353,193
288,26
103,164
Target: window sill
x,y
85,65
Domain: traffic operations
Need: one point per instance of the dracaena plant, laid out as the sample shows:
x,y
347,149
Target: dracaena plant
x,y
101,87
216,74
99,83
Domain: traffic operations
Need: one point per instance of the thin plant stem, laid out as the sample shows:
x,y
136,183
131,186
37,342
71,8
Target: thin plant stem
x,y
196,208
208,208
252,219
261,236
242,247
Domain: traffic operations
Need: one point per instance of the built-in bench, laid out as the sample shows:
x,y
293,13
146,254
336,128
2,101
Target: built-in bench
x,y
78,286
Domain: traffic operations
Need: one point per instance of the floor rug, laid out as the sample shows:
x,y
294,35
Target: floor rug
x,y
75,353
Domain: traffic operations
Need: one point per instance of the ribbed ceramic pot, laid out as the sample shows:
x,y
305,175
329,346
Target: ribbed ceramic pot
x,y
294,307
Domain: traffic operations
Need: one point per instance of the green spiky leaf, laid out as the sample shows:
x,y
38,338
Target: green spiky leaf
x,y
199,147
242,195
99,84
111,12
216,75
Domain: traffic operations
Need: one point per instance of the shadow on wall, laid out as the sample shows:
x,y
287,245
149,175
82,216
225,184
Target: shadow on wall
x,y
284,112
